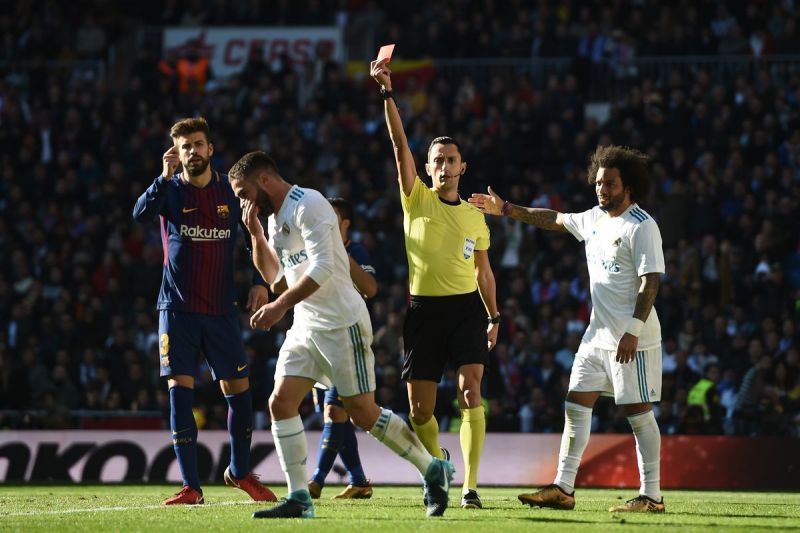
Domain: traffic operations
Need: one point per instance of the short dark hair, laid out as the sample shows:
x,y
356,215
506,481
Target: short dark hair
x,y
250,163
187,126
633,167
443,140
344,207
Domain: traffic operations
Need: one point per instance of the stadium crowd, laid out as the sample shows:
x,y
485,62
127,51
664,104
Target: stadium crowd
x,y
78,278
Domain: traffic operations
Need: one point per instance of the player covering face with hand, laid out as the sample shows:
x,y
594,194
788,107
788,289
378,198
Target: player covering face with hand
x,y
329,341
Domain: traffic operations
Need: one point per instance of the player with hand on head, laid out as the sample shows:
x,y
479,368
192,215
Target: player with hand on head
x,y
330,339
620,354
452,316
338,434
198,315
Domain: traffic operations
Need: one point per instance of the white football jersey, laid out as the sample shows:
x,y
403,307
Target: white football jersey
x,y
618,251
305,235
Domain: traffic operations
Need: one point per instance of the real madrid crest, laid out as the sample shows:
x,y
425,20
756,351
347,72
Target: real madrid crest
x,y
285,228
223,211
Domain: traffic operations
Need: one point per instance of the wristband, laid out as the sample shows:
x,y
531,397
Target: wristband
x,y
635,327
506,208
495,320
386,94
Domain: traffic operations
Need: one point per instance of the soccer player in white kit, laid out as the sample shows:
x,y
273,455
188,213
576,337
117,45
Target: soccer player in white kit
x,y
329,341
620,354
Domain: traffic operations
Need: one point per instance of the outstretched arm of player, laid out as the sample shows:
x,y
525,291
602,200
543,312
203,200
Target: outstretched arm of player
x,y
488,290
264,256
492,204
365,282
406,170
648,289
151,202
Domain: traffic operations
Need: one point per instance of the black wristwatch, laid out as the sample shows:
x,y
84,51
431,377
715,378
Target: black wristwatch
x,y
495,320
386,94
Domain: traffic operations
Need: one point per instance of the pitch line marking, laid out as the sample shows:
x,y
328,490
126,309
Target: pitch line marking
x,y
120,508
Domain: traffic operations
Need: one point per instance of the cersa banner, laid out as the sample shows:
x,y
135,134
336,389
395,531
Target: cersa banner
x,y
228,48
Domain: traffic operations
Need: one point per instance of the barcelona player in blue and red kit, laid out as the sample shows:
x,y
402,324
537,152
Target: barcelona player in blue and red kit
x,y
199,217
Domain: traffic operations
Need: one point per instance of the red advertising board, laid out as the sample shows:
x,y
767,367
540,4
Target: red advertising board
x,y
688,462
228,48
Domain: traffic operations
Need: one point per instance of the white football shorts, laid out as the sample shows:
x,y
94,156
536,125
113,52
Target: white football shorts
x,y
340,358
596,370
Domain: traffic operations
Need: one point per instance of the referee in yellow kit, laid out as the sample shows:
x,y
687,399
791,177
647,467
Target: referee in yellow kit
x,y
453,312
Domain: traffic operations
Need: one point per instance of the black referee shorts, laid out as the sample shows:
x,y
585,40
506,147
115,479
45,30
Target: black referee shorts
x,y
442,329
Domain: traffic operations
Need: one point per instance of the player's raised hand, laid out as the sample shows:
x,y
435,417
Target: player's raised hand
x,y
491,203
257,297
267,316
379,70
250,217
171,162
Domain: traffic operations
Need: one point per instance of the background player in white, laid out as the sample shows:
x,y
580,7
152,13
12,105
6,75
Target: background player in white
x,y
620,353
329,341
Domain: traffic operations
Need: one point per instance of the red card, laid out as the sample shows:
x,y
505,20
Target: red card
x,y
386,52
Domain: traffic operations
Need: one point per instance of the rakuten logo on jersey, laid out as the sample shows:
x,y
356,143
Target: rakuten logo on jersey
x,y
196,233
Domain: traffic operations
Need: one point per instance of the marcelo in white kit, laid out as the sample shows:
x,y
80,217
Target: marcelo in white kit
x,y
620,354
329,341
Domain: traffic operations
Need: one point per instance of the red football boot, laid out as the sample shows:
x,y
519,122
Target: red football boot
x,y
186,496
251,485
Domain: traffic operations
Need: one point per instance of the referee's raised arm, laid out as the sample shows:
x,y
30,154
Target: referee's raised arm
x,y
406,171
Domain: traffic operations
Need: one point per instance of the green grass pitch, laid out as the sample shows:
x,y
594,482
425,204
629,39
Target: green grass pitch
x,y
129,508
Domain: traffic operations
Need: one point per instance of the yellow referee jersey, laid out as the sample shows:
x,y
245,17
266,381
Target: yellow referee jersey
x,y
441,240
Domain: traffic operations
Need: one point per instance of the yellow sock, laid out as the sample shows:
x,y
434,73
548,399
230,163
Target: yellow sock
x,y
473,431
428,433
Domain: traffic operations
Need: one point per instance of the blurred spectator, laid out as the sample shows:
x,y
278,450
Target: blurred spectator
x,y
90,41
705,394
77,277
193,70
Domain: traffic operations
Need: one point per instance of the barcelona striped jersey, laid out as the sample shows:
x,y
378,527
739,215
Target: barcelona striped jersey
x,y
198,233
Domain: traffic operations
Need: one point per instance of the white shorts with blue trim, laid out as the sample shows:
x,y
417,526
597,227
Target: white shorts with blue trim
x,y
340,358
596,370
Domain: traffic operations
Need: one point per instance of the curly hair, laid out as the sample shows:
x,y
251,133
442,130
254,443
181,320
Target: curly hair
x,y
633,167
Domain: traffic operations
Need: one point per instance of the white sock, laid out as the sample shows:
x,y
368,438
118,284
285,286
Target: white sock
x,y
577,427
290,443
396,435
648,453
